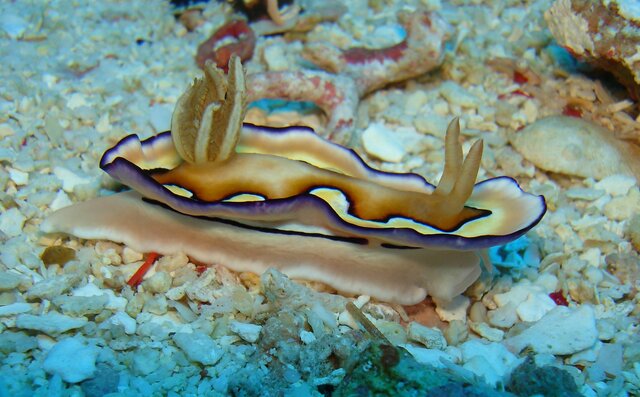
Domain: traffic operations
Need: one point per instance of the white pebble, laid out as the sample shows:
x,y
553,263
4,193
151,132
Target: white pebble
x,y
122,318
51,323
548,282
69,179
6,130
248,332
274,56
307,337
114,303
534,307
18,177
76,100
616,185
517,294
13,25
455,309
160,282
623,207
72,360
457,95
504,316
60,201
491,361
414,102
11,222
15,308
198,347
10,280
432,357
487,332
561,331
129,255
432,124
380,142
432,338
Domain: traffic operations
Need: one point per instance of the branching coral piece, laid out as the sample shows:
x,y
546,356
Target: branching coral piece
x,y
335,95
208,117
243,45
420,52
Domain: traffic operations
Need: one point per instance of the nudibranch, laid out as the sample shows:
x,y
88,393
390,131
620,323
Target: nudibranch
x,y
251,198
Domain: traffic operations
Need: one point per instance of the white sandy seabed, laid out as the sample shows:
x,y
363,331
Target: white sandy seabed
x,y
75,78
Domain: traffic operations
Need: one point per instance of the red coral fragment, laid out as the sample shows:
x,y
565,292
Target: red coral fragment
x,y
136,279
558,298
522,93
519,78
572,111
360,55
242,46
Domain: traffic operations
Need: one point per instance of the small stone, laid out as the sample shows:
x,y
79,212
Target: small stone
x,y
414,102
61,200
561,331
431,357
18,177
15,308
573,146
274,56
623,207
72,360
11,222
517,294
156,304
432,124
9,280
455,309
145,361
81,305
6,130
129,255
51,323
633,229
432,338
16,342
69,179
503,317
457,95
248,332
392,330
535,307
548,282
52,287
121,318
77,100
491,361
486,331
582,193
609,363
307,337
380,142
456,332
160,283
198,347
616,185
114,302
13,25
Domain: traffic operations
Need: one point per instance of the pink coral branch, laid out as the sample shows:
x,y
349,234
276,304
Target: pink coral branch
x,y
335,95
421,51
